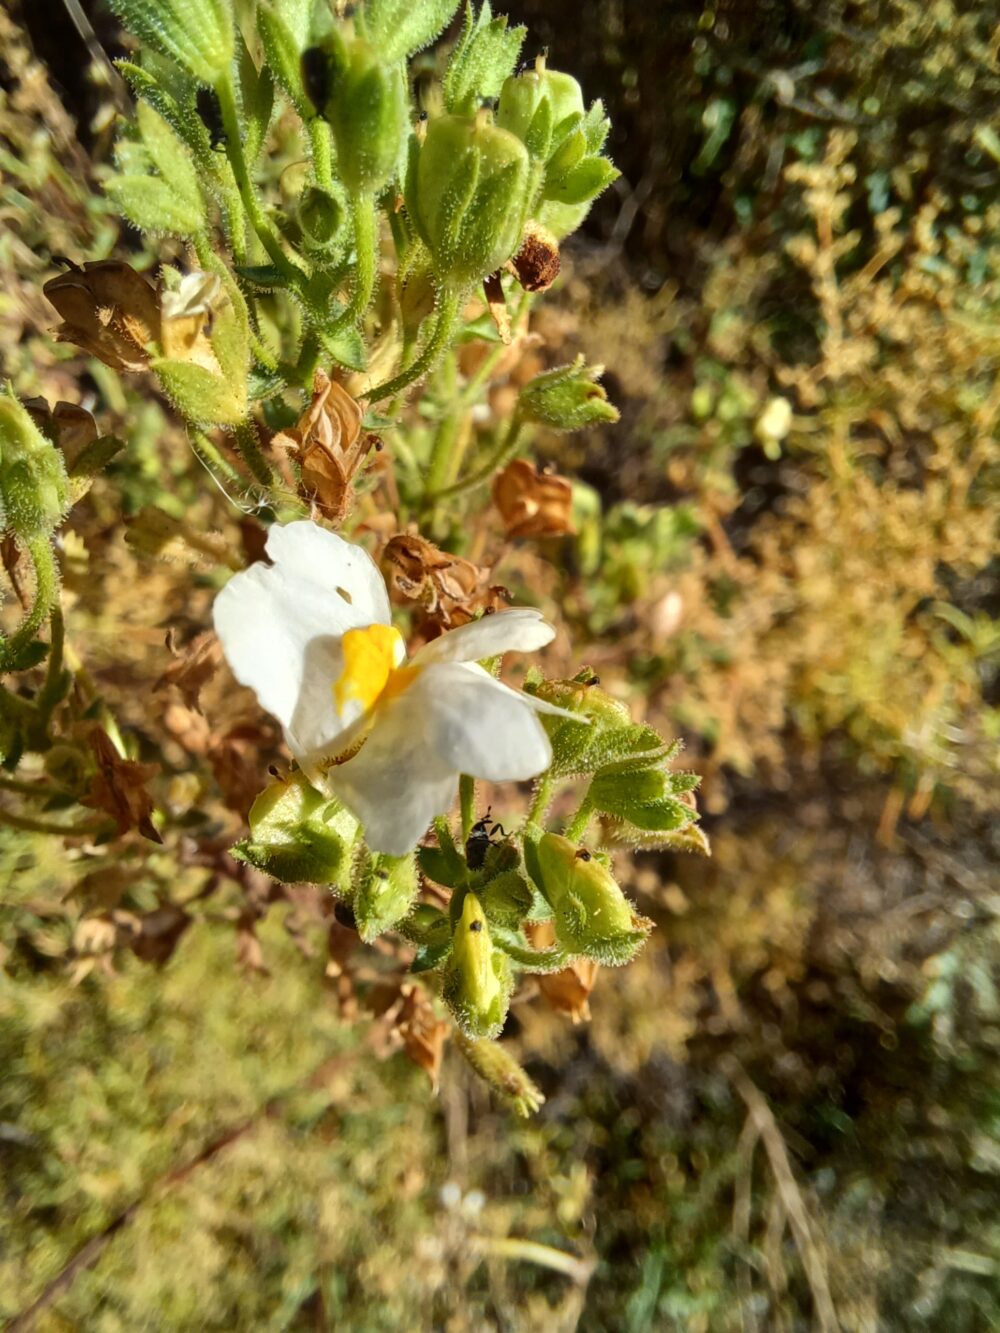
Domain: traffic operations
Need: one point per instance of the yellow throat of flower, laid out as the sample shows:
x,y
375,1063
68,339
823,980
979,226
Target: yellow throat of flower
x,y
372,670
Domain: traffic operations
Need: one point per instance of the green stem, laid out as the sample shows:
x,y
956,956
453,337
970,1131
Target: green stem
x,y
234,151
499,458
541,799
211,263
305,367
366,262
321,142
467,803
37,789
43,562
577,826
56,680
448,312
249,447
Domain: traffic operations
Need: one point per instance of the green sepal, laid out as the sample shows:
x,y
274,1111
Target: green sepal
x,y
506,899
384,894
257,89
443,865
398,28
298,835
283,53
29,655
583,182
539,962
429,929
485,56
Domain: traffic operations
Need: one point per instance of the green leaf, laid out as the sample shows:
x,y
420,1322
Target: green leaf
x,y
198,34
583,182
507,899
169,156
153,206
199,395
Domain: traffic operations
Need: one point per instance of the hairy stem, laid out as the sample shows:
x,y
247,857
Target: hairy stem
x,y
441,334
46,571
366,261
577,826
249,447
322,156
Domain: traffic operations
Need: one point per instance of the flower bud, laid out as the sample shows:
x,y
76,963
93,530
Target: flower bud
x,y
647,798
467,191
366,106
541,106
497,1067
198,34
298,835
567,398
592,915
321,217
34,491
385,895
477,979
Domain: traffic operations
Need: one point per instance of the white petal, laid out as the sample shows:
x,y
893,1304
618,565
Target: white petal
x,y
312,554
521,629
481,726
396,783
280,626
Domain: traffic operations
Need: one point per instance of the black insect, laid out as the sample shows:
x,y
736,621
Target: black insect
x,y
481,838
584,855
209,110
475,926
317,75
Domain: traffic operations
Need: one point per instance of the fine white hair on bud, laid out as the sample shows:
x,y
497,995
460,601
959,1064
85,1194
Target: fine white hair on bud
x,y
310,633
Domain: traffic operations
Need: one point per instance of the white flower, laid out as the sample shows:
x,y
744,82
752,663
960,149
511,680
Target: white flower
x,y
311,635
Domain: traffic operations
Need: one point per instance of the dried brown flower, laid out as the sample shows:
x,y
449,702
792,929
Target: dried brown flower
x,y
192,667
423,1033
109,310
537,262
451,589
329,446
533,503
568,991
119,787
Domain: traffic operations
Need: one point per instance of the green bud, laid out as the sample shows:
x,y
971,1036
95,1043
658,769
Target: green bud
x,y
385,895
34,491
321,217
485,56
467,191
541,106
545,109
497,1067
477,978
647,798
198,34
397,28
298,835
567,398
366,106
592,915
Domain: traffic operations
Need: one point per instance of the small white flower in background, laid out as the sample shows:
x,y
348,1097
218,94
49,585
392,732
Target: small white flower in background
x,y
311,635
195,294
